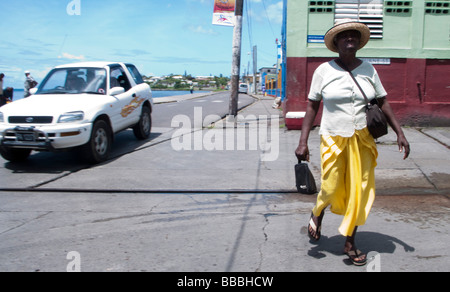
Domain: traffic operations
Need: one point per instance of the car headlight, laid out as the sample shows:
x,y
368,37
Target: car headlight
x,y
2,120
71,117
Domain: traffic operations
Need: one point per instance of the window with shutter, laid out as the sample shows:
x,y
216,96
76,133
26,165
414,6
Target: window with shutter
x,y
321,6
403,8
437,7
369,12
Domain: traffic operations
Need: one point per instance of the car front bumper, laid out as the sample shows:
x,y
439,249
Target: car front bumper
x,y
45,137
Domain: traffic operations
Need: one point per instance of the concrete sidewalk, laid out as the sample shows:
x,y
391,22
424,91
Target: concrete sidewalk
x,y
178,98
427,170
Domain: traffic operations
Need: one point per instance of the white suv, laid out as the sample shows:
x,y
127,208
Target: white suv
x,y
82,104
243,88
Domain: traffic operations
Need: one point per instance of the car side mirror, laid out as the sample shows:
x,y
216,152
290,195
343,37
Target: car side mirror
x,y
116,90
33,91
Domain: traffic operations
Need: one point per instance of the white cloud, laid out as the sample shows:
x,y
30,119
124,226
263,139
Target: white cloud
x,y
41,74
71,57
264,13
201,30
275,12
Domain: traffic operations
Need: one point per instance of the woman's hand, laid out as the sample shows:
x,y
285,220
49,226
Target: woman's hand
x,y
403,146
302,152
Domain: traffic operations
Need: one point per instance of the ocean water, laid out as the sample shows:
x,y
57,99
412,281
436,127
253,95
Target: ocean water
x,y
18,93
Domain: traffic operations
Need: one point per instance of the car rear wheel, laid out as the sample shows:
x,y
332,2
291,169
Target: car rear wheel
x,y
99,145
142,130
15,155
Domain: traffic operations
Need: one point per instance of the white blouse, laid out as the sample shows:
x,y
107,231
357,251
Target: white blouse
x,y
343,102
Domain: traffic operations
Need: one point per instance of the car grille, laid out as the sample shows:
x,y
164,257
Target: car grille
x,y
22,137
30,120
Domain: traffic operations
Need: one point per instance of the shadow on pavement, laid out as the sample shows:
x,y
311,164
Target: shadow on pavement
x,y
366,242
73,160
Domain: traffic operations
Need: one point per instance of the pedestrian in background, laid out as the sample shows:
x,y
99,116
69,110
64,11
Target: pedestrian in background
x,y
2,97
8,93
348,151
29,84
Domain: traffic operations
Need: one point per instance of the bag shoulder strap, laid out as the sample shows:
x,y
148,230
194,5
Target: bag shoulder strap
x,y
341,64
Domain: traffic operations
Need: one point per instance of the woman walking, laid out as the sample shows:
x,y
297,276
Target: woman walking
x,y
348,151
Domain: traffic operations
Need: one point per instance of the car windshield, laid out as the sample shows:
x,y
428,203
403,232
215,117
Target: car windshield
x,y
74,81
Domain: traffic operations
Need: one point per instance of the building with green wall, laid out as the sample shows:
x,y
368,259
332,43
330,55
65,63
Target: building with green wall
x,y
409,47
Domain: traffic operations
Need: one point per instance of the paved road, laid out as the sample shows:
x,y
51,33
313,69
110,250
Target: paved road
x,y
44,167
211,232
216,104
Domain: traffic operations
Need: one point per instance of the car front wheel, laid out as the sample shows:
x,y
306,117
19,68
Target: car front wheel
x,y
99,145
15,155
143,128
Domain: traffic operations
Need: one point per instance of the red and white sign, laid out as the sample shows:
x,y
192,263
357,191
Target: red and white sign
x,y
224,12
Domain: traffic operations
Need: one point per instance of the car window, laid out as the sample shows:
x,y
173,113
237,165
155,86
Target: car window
x,y
74,81
135,74
95,81
118,78
56,79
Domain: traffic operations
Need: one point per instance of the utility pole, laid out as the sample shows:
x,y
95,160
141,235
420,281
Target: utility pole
x,y
236,66
255,68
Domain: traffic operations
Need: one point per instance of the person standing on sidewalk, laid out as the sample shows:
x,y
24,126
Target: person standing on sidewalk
x,y
28,84
348,151
2,97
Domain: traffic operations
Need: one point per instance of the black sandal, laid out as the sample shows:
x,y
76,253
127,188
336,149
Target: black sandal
x,y
317,229
353,255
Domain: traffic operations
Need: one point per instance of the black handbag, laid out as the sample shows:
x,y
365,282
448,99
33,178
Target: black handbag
x,y
376,120
304,179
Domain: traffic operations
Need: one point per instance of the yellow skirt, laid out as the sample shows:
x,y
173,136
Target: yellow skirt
x,y
348,178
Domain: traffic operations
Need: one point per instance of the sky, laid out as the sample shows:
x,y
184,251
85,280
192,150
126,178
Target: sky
x,y
161,37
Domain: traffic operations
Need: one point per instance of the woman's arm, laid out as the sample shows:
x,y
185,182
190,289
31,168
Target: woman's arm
x,y
403,144
302,151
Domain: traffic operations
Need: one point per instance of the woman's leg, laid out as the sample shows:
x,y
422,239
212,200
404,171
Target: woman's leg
x,y
315,226
357,257
332,191
360,181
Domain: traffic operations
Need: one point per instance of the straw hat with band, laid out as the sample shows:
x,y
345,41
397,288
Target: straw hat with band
x,y
338,28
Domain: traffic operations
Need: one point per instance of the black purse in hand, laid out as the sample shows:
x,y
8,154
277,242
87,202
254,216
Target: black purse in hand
x,y
304,179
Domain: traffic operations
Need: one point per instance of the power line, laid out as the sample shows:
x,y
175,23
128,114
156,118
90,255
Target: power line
x,y
268,18
249,22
